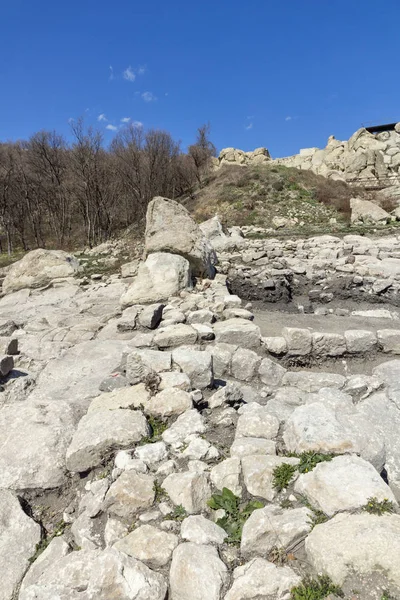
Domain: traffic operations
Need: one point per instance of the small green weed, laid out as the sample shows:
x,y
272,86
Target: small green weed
x,y
318,517
159,492
286,503
178,514
282,476
235,515
158,426
309,460
387,596
375,507
315,589
41,546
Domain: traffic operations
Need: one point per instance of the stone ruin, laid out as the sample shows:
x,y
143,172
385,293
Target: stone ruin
x,y
136,402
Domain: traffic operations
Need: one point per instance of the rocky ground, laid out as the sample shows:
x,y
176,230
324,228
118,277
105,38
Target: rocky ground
x,y
172,432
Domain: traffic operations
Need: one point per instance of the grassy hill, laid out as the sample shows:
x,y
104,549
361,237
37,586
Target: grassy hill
x,y
255,195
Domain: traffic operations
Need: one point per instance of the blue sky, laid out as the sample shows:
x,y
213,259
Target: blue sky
x,y
284,75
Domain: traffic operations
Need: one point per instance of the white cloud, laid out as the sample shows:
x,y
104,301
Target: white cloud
x,y
129,74
125,119
102,117
289,118
148,97
111,77
141,70
71,120
249,126
250,118
111,127
137,124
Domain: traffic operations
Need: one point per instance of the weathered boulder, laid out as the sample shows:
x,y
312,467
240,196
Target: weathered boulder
x,y
149,544
101,431
18,538
273,526
129,493
197,573
162,275
97,574
258,474
366,211
189,489
360,543
170,228
345,483
262,579
38,268
199,530
242,332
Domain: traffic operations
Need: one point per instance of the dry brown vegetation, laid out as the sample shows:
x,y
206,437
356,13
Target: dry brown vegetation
x,y
254,195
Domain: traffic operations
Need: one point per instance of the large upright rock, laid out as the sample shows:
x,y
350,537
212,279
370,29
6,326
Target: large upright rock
x,y
161,276
170,228
38,268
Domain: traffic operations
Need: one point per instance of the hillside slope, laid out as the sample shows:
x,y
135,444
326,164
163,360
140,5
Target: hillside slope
x,y
264,195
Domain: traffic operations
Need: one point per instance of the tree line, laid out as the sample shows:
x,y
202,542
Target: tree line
x,y
55,193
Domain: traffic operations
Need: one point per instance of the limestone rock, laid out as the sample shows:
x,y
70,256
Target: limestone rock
x,y
258,474
100,432
227,474
366,211
270,372
149,544
196,364
18,538
186,424
360,341
189,489
298,341
151,316
162,275
307,381
273,526
199,530
175,335
97,574
345,483
249,446
169,402
170,228
360,543
129,493
256,422
133,396
38,268
34,442
241,332
316,427
262,579
197,573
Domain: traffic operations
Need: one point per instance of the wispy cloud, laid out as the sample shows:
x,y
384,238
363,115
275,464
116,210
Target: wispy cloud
x,y
141,70
137,124
111,127
125,119
148,97
249,126
289,118
129,74
102,117
111,76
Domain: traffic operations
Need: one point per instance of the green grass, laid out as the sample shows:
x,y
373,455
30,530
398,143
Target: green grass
x,y
235,514
309,460
9,259
178,514
41,546
376,507
282,476
158,426
315,589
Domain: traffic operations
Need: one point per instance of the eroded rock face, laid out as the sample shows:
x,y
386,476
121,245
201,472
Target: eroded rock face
x,y
170,228
38,268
